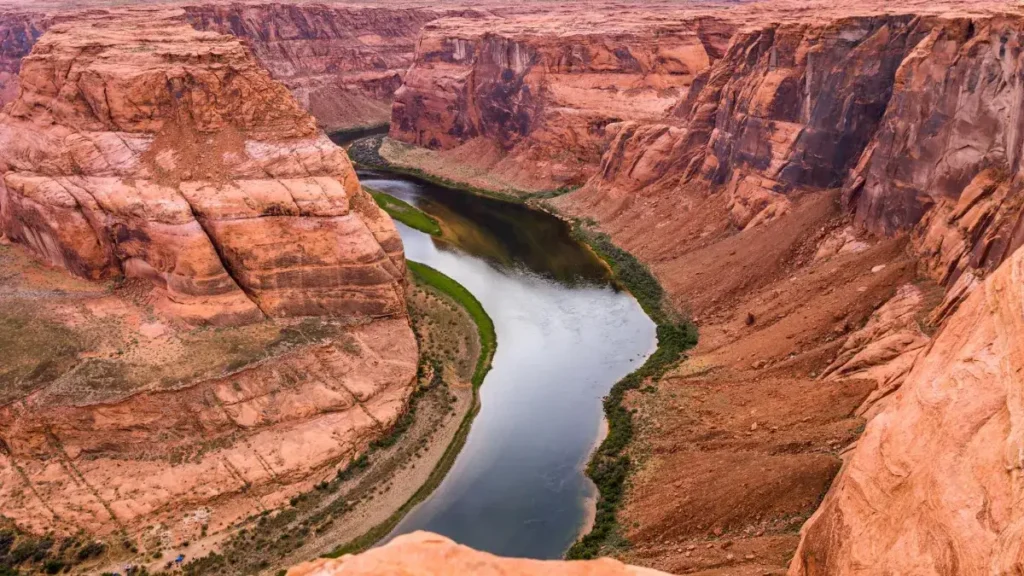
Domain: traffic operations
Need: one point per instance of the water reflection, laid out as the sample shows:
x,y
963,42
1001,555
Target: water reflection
x,y
505,234
564,337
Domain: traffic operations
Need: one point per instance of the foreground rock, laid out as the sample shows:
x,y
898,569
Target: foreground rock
x,y
951,430
426,554
181,187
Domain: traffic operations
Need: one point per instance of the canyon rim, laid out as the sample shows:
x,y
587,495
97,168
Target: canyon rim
x,y
212,344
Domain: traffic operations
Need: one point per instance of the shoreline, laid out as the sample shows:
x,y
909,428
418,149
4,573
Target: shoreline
x,y
488,344
365,499
608,467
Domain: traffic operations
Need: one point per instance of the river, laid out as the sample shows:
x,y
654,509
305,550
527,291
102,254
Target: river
x,y
565,336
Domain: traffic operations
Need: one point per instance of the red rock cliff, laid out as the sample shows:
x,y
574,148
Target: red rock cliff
x,y
543,88
176,159
342,63
142,149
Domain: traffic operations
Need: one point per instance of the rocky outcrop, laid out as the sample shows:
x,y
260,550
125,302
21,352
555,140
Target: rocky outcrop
x,y
150,150
426,554
932,486
342,63
166,161
544,89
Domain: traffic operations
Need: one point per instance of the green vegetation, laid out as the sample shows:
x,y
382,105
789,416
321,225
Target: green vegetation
x,y
485,326
26,554
428,276
609,467
405,213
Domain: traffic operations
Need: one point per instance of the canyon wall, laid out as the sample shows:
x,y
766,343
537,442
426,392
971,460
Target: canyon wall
x,y
913,117
181,186
543,89
342,63
19,32
825,189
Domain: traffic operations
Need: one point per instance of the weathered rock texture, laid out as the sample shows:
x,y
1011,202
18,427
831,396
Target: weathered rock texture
x,y
153,151
426,554
342,63
543,88
145,151
19,31
933,485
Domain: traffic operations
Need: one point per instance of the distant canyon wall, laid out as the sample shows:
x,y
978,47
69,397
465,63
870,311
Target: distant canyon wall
x,y
545,89
342,63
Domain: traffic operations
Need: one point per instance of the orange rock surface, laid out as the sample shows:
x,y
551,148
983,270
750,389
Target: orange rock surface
x,y
426,554
141,147
932,486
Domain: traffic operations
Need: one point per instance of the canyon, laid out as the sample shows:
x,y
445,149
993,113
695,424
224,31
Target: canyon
x,y
206,312
826,193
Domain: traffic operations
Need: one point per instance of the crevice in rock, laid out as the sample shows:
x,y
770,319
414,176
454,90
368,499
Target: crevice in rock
x,y
225,264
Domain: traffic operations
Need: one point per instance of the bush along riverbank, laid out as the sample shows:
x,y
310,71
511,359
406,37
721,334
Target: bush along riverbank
x,y
405,213
436,280
610,466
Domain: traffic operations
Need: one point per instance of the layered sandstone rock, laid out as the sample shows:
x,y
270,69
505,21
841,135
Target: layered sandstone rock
x,y
544,88
933,485
142,148
164,159
426,554
342,63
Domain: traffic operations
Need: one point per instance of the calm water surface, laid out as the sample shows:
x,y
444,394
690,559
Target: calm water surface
x,y
565,335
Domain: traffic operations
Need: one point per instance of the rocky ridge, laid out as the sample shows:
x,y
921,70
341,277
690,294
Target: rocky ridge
x,y
426,554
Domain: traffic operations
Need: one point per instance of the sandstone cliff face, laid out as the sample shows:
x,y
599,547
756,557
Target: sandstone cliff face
x,y
933,485
144,152
426,554
544,89
914,118
342,63
169,155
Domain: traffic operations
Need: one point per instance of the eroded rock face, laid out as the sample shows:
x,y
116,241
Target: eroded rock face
x,y
932,486
426,554
142,148
342,63
545,88
20,32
